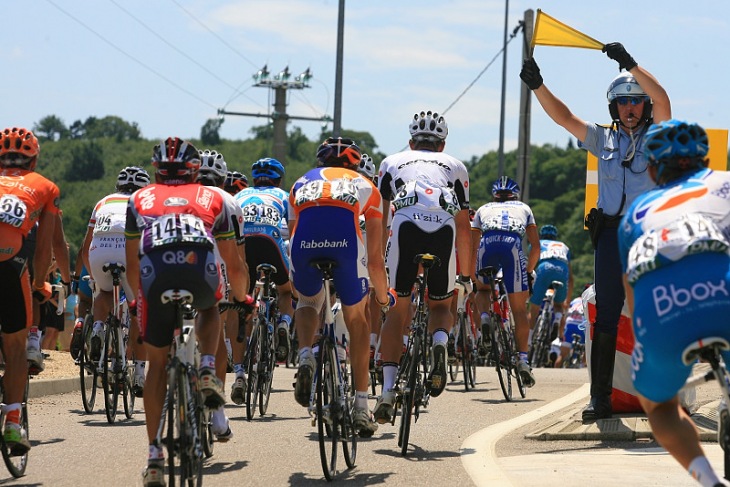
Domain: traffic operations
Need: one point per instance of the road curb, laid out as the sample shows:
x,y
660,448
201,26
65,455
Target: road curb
x,y
47,387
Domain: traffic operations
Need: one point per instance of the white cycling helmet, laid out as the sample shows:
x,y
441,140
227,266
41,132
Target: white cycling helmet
x,y
366,166
132,178
213,167
428,123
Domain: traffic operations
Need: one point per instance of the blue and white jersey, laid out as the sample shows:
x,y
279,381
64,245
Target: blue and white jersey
x,y
265,211
685,217
555,250
505,217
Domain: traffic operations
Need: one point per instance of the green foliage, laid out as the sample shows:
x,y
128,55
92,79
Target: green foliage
x,y
209,133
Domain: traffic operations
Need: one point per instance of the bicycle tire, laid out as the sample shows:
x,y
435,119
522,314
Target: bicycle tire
x,y
409,394
252,382
267,376
514,354
454,371
87,369
501,356
348,434
327,408
16,464
466,356
206,432
128,380
109,374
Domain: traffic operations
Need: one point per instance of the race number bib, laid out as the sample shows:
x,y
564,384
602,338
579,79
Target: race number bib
x,y
340,189
261,214
176,229
691,234
432,198
12,210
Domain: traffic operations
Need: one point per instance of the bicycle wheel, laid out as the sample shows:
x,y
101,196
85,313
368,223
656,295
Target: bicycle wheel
x,y
266,377
409,394
15,462
327,408
252,384
206,432
514,354
128,388
110,367
453,370
185,461
501,354
466,357
87,369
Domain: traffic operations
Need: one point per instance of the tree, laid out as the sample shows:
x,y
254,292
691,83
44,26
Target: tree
x,y
51,128
264,132
109,126
86,164
209,133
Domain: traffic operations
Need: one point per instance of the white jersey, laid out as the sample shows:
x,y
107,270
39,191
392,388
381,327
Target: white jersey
x,y
109,216
429,188
504,216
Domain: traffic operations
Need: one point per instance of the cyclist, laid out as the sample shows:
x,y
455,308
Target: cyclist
x,y
574,324
553,265
213,173
172,230
429,189
500,227
26,198
325,204
104,243
265,211
235,182
673,243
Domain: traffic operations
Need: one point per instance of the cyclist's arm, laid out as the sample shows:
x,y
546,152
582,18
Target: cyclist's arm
x,y
85,248
385,210
464,242
44,248
376,263
629,295
569,296
236,268
534,240
476,238
131,248
60,250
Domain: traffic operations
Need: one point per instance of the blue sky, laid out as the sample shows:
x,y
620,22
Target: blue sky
x,y
170,64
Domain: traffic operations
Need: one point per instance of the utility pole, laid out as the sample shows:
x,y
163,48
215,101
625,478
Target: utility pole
x,y
337,128
280,83
523,140
504,91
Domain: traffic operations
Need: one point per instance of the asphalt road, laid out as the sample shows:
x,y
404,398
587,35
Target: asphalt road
x,y
464,438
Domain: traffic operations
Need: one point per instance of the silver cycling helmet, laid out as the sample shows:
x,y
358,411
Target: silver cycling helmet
x,y
366,166
428,123
213,167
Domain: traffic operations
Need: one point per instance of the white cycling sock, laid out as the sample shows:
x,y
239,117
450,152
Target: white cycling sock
x,y
701,470
207,361
155,453
361,399
390,372
219,421
98,326
373,339
440,337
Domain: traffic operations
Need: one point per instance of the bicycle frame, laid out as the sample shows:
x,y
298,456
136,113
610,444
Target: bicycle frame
x,y
540,345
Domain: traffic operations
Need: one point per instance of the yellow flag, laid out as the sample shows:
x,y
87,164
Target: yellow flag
x,y
551,32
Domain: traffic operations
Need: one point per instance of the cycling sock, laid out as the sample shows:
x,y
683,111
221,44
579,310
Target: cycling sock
x,y
361,399
218,420
701,470
34,337
440,337
98,326
9,408
390,371
373,340
155,453
484,318
238,370
207,361
523,356
139,367
305,352
286,320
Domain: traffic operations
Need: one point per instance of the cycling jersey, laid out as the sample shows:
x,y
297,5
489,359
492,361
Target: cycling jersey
x,y
107,245
553,265
426,189
265,213
674,246
503,226
177,227
326,205
575,322
24,195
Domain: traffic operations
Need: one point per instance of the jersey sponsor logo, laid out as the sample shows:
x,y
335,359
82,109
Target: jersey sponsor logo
x,y
204,197
179,257
175,201
427,217
331,244
671,199
667,298
146,199
426,161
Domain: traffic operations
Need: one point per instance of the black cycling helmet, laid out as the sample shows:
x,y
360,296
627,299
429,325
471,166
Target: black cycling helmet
x,y
176,161
339,152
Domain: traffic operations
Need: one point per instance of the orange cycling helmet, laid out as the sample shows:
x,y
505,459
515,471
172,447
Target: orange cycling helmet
x,y
19,141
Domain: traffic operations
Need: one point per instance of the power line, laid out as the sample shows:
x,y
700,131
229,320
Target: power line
x,y
223,41
122,51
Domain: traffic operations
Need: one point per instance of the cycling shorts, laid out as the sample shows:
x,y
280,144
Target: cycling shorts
x,y
574,327
102,251
675,306
193,268
16,302
408,240
329,232
546,272
504,250
49,318
261,249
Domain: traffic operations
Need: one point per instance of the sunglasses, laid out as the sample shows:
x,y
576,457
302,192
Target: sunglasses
x,y
427,138
634,100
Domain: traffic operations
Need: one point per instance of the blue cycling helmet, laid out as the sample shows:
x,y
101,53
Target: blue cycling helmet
x,y
267,168
670,142
548,232
505,188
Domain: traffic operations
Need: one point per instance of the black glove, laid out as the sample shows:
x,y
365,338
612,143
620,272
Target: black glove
x,y
530,74
246,306
616,51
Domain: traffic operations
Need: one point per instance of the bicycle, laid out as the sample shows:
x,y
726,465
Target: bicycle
x,y
87,367
465,337
260,358
114,367
15,460
502,329
412,386
710,350
331,399
183,408
542,334
577,354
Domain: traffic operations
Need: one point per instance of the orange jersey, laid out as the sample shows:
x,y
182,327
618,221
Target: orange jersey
x,y
335,186
24,195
